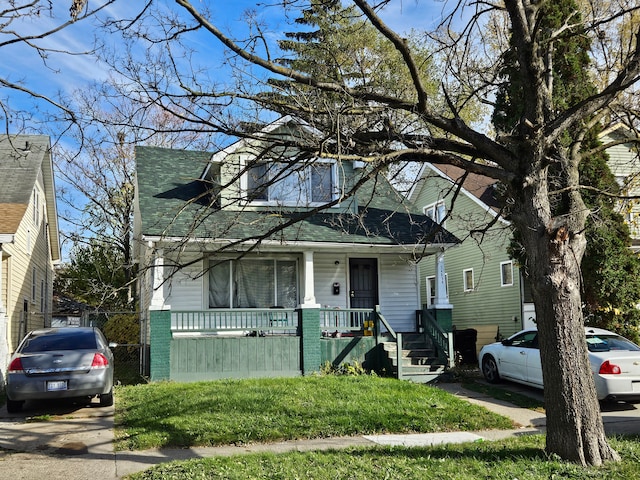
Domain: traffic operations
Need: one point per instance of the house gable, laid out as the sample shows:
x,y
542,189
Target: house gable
x,y
29,243
482,281
175,200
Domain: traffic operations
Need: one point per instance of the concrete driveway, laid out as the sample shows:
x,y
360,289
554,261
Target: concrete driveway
x,y
619,418
57,441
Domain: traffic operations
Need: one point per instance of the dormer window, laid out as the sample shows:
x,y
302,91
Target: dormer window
x,y
291,184
436,211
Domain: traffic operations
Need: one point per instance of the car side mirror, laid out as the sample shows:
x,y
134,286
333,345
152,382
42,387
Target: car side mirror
x,y
506,342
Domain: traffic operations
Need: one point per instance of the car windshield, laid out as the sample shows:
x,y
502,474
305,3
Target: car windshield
x,y
81,340
606,343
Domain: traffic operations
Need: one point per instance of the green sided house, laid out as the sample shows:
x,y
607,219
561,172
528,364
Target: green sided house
x,y
624,162
258,260
482,286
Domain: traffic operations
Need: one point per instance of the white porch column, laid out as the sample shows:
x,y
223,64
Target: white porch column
x,y
309,300
157,282
442,298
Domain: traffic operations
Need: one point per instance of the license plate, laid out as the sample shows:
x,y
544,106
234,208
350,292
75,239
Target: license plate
x,y
56,386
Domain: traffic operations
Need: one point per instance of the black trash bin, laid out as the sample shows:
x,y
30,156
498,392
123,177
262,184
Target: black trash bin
x,y
464,343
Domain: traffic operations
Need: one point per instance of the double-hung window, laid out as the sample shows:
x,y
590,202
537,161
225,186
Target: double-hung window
x,y
292,184
436,211
253,283
467,276
506,274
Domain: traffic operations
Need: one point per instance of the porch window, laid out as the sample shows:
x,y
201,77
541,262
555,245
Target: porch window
x,y
467,276
251,283
291,183
506,274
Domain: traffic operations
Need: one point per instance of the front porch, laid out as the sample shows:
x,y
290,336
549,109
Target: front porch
x,y
244,343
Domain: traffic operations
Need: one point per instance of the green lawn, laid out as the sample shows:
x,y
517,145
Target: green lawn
x,y
245,411
267,410
519,458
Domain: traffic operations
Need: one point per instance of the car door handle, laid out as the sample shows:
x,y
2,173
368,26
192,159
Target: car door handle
x,y
522,352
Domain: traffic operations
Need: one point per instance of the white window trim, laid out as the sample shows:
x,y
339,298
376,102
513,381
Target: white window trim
x,y
502,282
244,185
274,258
437,208
42,295
36,207
464,280
433,277
34,284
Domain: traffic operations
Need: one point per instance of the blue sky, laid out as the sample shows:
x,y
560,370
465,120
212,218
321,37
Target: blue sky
x,y
63,73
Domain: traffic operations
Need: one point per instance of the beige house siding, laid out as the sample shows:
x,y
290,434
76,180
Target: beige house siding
x,y
29,239
30,252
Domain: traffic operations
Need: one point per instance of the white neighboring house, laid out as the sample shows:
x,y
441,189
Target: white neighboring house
x,y
29,244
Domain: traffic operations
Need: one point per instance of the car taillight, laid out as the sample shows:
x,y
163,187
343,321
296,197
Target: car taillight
x,y
99,361
609,368
16,366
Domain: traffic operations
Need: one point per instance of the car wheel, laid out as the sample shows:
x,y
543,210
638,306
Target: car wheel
x,y
14,406
490,369
106,399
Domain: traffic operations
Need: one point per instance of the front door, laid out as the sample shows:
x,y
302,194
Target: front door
x,y
363,282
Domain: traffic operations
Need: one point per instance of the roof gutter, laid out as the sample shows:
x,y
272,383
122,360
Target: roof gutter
x,y
428,248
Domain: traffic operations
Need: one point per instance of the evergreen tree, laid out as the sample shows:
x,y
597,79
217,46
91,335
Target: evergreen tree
x,y
334,44
611,284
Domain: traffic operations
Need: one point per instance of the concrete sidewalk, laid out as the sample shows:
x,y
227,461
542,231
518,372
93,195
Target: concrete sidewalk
x,y
526,422
78,443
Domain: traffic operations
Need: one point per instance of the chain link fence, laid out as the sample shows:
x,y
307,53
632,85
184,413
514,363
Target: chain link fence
x,y
123,330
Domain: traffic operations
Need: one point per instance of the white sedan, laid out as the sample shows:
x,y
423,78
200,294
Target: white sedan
x,y
615,362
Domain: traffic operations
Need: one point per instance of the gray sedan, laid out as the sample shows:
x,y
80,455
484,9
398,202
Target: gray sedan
x,y
57,363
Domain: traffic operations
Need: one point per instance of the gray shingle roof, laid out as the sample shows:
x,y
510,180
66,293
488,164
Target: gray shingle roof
x,y
22,158
173,202
20,161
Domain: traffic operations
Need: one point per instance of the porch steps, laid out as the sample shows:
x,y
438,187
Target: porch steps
x,y
420,362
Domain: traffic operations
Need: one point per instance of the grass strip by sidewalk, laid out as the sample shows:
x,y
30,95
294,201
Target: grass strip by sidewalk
x,y
515,458
267,410
506,395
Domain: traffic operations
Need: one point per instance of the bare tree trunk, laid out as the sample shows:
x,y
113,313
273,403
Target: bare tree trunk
x,y
575,430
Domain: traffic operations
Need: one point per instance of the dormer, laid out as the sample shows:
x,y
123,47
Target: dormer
x,y
268,170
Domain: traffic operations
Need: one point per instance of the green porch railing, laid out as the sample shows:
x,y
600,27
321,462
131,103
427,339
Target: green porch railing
x,y
348,319
235,320
232,320
443,340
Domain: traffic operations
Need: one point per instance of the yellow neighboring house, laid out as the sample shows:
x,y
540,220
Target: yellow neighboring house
x,y
29,244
